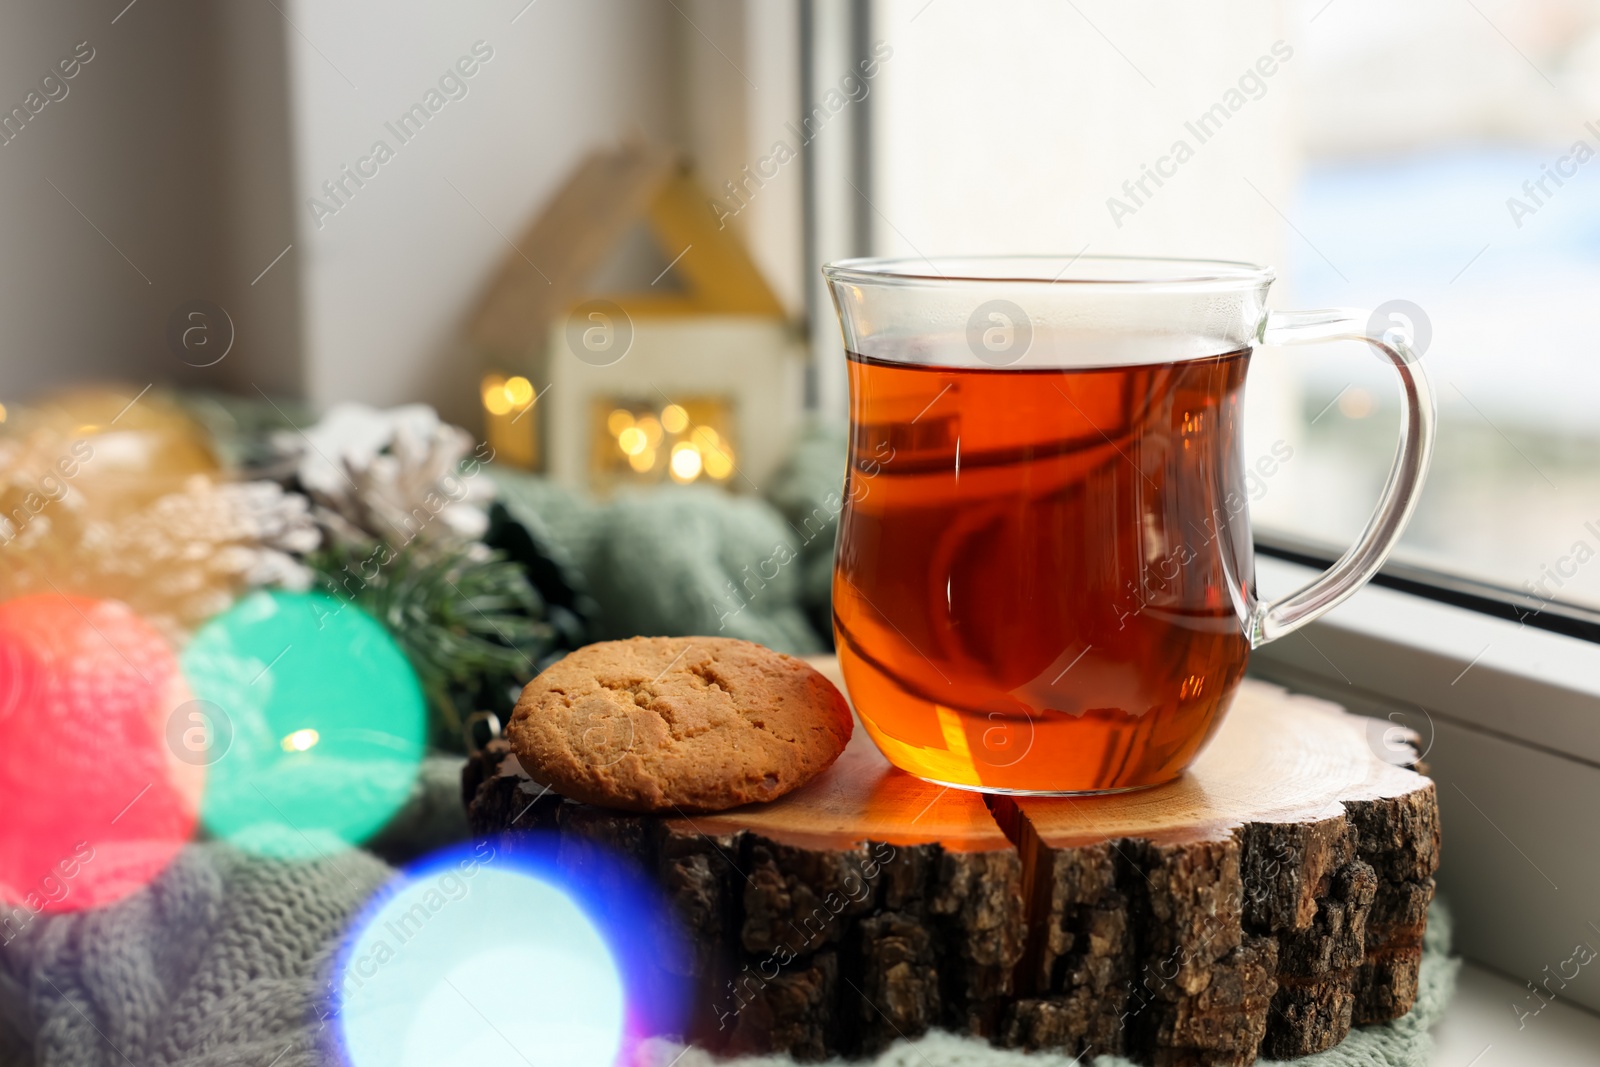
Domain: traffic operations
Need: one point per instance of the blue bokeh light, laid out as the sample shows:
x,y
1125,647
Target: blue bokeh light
x,y
477,956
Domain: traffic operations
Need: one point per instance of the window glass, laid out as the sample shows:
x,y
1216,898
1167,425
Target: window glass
x,y
1436,161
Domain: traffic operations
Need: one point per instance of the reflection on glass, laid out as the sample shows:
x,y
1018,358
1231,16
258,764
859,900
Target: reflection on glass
x,y
1457,192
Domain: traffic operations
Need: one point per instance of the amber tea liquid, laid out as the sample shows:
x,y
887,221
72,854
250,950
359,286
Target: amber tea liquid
x,y
1042,573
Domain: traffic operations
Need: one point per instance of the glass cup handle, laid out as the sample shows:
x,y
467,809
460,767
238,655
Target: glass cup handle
x,y
1270,621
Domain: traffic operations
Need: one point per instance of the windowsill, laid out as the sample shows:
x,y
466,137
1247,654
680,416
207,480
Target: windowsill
x,y
1507,719
1479,1029
1528,685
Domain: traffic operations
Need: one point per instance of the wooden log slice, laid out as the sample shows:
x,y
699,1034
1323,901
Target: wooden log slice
x,y
1259,906
863,906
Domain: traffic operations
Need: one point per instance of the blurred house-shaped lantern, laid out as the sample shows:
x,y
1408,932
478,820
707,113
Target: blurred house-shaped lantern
x,y
693,376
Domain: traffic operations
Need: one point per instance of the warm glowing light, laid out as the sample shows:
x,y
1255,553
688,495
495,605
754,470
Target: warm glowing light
x,y
519,391
719,463
632,441
619,419
495,398
643,460
301,740
652,430
2,413
706,439
673,418
685,462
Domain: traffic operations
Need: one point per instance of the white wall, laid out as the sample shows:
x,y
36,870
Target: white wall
x,y
389,278
130,144
196,135
742,88
258,272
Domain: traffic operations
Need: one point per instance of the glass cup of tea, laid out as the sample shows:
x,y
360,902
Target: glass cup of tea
x,y
1044,580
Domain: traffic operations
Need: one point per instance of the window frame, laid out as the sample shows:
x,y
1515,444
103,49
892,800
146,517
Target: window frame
x,y
1497,601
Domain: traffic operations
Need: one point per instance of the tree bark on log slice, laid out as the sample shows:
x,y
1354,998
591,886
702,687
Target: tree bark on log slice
x,y
1260,906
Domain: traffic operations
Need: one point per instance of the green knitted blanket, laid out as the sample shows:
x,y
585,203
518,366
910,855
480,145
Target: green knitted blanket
x,y
685,560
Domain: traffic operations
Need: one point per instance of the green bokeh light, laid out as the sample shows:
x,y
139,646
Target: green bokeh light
x,y
328,723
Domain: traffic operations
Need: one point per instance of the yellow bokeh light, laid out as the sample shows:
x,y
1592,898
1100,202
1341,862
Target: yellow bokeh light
x,y
651,428
495,399
674,418
706,439
519,391
685,465
2,413
719,463
633,442
642,460
619,419
301,740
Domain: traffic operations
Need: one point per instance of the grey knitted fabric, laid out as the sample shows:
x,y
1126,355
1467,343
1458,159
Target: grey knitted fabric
x,y
220,962
223,960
